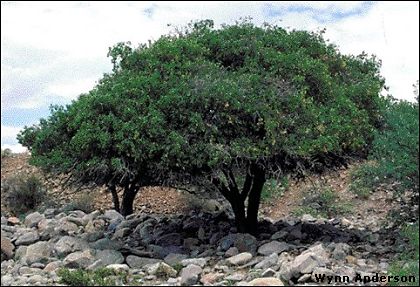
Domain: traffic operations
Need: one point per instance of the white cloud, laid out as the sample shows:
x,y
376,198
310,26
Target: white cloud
x,y
15,148
9,133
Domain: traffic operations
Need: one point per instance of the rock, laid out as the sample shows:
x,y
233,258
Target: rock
x,y
52,266
79,259
13,220
308,218
121,233
246,243
195,261
112,214
190,274
273,247
138,262
340,251
320,271
226,242
191,243
269,281
267,262
38,252
211,278
351,259
174,258
109,257
304,278
201,234
7,248
118,267
65,227
279,235
268,273
306,263
32,219
7,280
161,269
240,259
69,244
345,222
96,225
171,239
106,243
231,252
27,238
20,253
236,277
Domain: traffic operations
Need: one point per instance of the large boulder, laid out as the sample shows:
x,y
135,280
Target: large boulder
x,y
240,259
38,252
69,244
273,247
138,262
32,219
79,259
190,275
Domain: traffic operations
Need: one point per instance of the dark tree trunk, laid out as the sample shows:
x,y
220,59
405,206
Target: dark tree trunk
x,y
128,200
115,198
238,207
254,199
252,189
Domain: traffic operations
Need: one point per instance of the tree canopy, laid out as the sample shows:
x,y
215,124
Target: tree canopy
x,y
220,108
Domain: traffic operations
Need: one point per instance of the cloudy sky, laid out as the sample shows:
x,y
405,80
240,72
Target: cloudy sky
x,y
52,52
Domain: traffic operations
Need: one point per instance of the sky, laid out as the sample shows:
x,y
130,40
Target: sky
x,y
51,52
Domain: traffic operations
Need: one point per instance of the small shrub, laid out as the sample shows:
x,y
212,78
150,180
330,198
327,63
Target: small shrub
x,y
6,153
323,202
99,277
24,194
84,203
274,188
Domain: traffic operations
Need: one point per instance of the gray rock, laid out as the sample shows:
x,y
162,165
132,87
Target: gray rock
x,y
106,243
246,243
79,259
109,257
174,258
27,238
279,235
139,262
38,252
69,244
64,227
273,247
171,239
190,275
226,242
236,277
195,261
121,233
340,251
7,280
32,220
268,273
231,252
112,214
161,269
146,230
53,266
267,262
240,259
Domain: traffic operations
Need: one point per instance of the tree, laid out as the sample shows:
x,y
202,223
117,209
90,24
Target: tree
x,y
218,108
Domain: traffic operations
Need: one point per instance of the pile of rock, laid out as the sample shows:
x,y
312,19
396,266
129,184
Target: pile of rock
x,y
198,248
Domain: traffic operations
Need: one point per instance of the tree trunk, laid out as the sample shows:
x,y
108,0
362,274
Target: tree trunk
x,y
128,200
238,207
115,198
254,200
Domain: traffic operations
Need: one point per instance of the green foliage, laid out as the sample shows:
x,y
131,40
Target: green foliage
x,y
99,277
395,153
23,193
182,108
274,188
322,202
408,263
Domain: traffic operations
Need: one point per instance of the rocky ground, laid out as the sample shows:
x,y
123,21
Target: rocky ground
x,y
169,241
